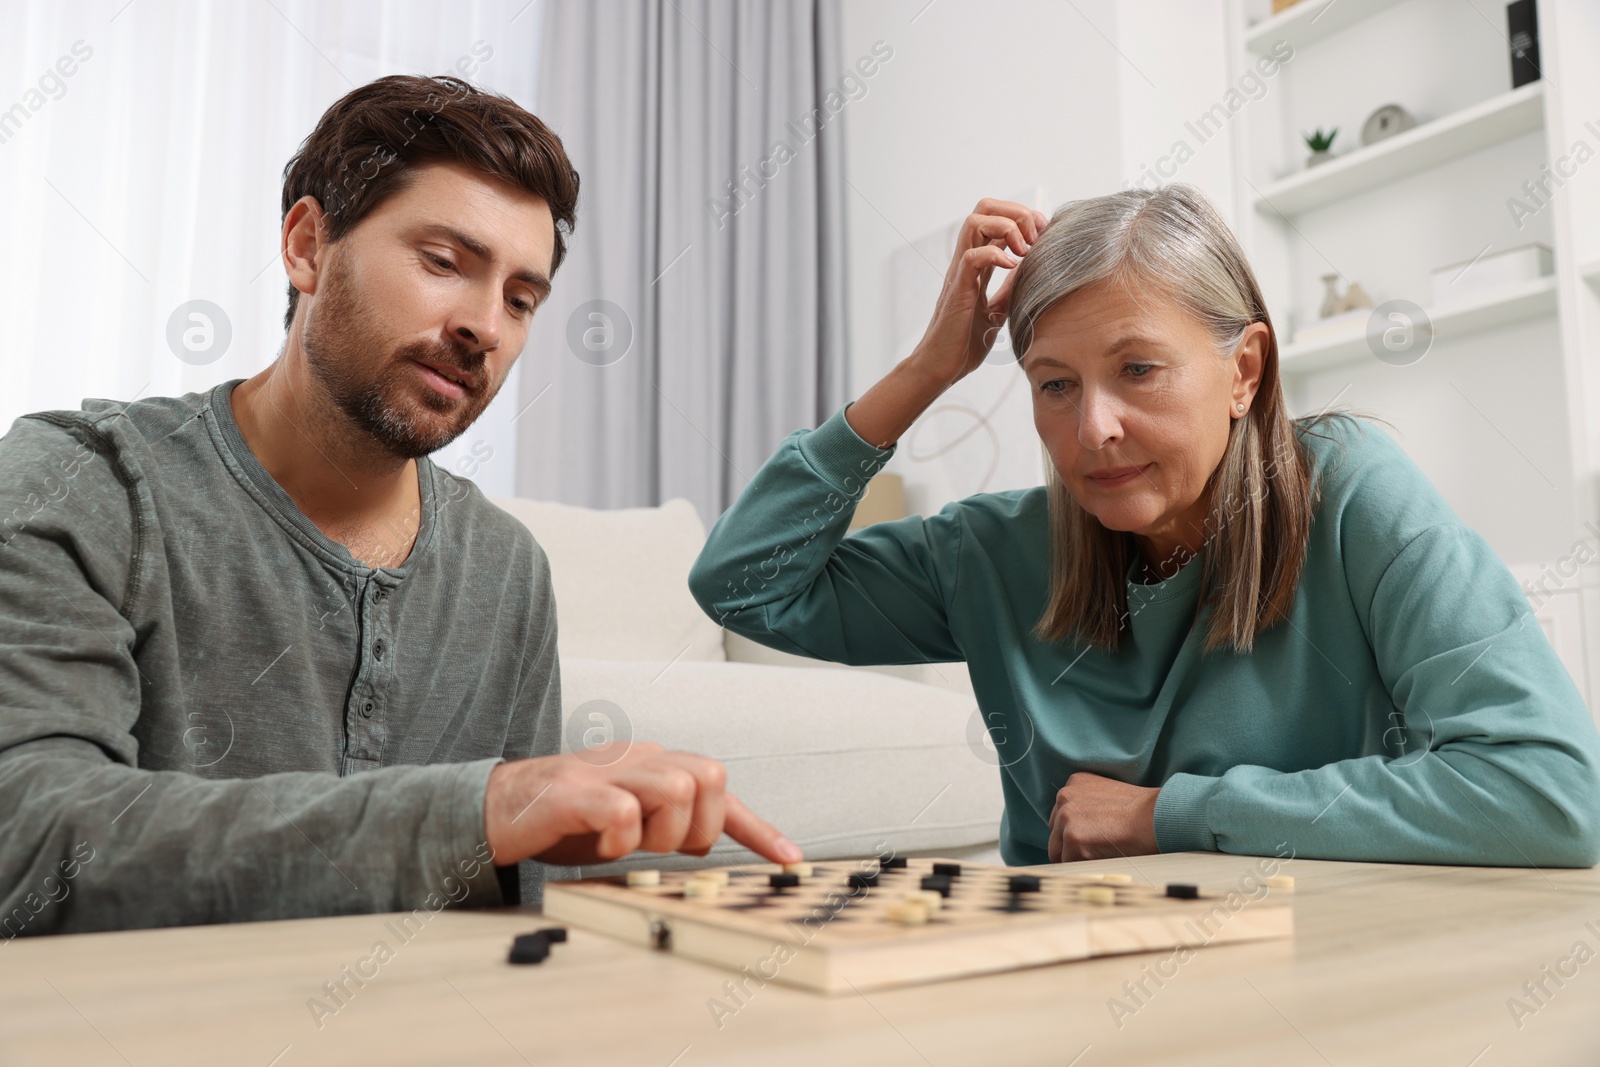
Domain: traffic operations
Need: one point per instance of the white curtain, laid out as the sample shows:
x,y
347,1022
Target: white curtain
x,y
142,148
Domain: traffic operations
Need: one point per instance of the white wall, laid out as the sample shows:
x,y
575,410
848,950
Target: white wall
x,y
1003,98
1172,70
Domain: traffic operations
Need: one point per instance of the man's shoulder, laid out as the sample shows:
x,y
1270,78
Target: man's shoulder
x,y
152,416
77,475
113,425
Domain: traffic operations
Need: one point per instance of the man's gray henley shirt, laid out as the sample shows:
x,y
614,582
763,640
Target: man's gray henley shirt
x,y
211,712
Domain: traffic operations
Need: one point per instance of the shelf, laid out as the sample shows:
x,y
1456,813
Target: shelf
x,y
1497,119
1310,21
1525,300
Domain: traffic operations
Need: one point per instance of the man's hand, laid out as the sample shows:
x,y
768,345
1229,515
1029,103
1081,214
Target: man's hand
x,y
1099,818
571,811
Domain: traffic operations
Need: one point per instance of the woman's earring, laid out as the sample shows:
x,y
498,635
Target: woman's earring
x,y
1240,408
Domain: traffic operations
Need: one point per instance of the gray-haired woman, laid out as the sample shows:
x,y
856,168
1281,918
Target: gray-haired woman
x,y
1216,627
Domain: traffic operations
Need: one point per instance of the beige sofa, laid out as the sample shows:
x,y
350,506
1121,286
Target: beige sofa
x,y
842,759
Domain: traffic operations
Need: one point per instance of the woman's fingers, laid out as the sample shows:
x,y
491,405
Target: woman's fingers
x,y
1005,222
1028,219
997,229
1018,233
975,252
977,264
1058,828
961,331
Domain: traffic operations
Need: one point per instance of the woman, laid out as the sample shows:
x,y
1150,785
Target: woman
x,y
1215,627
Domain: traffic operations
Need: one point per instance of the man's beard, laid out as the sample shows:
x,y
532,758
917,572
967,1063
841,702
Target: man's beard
x,y
376,391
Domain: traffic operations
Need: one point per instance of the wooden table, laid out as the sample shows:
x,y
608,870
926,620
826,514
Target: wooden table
x,y
1390,964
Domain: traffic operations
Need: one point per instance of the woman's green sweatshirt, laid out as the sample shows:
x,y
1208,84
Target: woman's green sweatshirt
x,y
1410,710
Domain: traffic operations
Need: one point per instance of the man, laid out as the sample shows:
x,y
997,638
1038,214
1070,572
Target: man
x,y
259,657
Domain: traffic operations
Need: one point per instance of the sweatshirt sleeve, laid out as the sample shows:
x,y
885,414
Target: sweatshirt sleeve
x,y
1499,759
88,839
779,568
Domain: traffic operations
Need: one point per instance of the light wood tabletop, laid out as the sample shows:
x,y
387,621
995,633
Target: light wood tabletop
x,y
1389,964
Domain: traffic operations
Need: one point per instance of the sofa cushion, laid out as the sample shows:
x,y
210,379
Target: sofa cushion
x,y
840,760
622,579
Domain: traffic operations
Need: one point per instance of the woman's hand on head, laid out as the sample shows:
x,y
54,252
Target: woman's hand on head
x,y
1098,818
966,320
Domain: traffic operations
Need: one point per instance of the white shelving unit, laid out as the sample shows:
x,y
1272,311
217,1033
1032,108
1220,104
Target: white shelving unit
x,y
1306,23
1526,300
1503,413
1428,145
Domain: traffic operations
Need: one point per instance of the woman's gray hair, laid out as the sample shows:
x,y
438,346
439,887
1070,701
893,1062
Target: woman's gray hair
x,y
1170,239
1170,244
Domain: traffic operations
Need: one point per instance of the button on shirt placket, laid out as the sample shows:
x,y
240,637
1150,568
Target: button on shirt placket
x,y
365,722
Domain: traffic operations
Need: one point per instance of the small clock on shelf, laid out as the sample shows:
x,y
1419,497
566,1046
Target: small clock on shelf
x,y
1387,121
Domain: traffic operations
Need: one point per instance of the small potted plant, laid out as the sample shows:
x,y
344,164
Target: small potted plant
x,y
1320,144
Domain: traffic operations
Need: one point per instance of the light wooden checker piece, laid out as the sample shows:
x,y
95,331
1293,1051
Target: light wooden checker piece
x,y
830,936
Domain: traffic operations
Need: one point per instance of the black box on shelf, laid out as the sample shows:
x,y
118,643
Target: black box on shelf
x,y
1522,29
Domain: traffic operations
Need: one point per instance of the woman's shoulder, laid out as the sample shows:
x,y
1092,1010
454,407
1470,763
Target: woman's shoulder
x,y
1346,448
1335,433
1367,483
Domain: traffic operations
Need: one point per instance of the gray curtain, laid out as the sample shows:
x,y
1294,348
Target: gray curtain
x,y
700,316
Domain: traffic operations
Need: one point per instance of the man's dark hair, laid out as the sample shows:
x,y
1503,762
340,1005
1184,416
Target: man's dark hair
x,y
366,145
